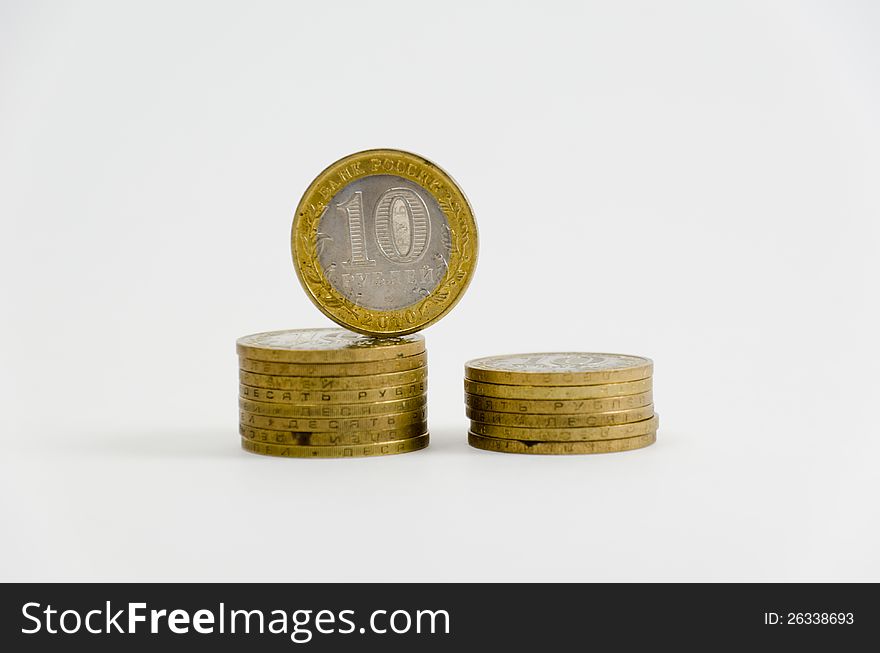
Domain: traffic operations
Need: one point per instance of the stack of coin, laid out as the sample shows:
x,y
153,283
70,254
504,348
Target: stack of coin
x,y
332,393
560,403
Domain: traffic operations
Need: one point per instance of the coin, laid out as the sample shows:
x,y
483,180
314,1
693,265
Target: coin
x,y
556,392
310,438
332,410
344,451
558,369
335,424
384,242
325,346
615,432
333,383
326,370
558,406
551,448
322,398
560,421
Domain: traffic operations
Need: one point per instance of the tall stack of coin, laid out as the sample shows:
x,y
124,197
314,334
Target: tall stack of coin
x,y
331,393
560,403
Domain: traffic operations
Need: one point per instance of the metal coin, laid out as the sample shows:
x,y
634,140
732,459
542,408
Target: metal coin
x,y
560,421
556,392
334,424
586,433
561,448
333,383
558,406
322,398
332,410
384,242
325,346
310,438
558,369
344,451
328,370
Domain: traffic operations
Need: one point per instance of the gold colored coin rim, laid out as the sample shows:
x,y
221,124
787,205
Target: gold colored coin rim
x,y
545,406
592,377
600,419
462,261
563,393
328,383
498,445
342,451
418,388
326,438
582,434
334,424
334,370
293,410
363,354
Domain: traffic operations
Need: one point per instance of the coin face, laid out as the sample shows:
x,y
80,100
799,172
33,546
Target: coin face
x,y
384,242
326,346
558,368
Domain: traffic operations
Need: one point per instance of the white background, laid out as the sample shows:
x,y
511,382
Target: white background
x,y
695,182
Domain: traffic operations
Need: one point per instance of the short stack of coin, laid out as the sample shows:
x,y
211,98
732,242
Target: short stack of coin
x,y
560,403
332,393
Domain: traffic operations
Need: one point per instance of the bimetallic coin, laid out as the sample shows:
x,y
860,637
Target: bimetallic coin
x,y
325,346
321,398
558,406
586,433
309,438
332,410
344,451
560,448
333,383
384,242
561,421
558,369
557,392
327,370
334,424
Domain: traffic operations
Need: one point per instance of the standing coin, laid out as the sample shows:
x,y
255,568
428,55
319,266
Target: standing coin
x,y
325,346
598,446
335,424
562,368
561,421
615,432
557,392
333,383
310,438
320,397
558,406
384,242
332,410
344,451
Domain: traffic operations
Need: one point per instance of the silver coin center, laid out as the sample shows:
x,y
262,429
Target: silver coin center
x,y
383,242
